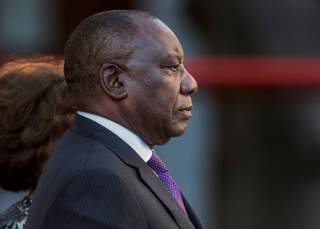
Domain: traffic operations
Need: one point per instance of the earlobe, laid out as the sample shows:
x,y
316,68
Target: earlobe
x,y
111,81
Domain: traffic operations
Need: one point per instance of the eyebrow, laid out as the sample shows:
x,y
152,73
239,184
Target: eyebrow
x,y
175,56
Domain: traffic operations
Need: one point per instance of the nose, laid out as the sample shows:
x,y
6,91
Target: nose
x,y
188,84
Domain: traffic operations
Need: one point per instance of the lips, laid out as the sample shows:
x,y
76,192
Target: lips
x,y
186,112
188,108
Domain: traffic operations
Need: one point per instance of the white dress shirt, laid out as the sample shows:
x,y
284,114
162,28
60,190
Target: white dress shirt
x,y
133,140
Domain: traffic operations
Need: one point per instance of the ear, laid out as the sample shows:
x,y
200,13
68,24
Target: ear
x,y
111,81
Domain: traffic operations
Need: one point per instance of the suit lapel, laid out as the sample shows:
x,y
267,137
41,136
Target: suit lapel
x,y
95,131
194,219
159,189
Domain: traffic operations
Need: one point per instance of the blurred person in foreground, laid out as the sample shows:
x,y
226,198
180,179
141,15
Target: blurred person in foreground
x,y
34,112
126,76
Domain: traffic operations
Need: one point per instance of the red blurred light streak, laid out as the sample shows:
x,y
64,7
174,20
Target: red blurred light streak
x,y
255,71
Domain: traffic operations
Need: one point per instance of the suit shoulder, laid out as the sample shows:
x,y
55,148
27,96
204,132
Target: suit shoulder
x,y
75,154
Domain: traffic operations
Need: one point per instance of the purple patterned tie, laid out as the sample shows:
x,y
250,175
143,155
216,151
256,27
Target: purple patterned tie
x,y
161,170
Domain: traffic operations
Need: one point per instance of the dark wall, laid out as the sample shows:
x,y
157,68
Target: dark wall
x,y
269,158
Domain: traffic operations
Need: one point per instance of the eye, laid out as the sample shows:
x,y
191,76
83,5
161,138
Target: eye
x,y
174,68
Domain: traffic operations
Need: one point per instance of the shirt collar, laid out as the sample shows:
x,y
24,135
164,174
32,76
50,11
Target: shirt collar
x,y
133,140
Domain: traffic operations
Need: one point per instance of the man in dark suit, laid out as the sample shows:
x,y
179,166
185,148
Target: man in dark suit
x,y
126,75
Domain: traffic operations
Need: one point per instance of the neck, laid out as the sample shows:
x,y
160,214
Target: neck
x,y
116,114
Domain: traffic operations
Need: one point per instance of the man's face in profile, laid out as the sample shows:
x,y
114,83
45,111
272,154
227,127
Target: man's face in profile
x,y
159,94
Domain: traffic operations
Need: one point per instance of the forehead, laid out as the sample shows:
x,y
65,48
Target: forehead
x,y
156,41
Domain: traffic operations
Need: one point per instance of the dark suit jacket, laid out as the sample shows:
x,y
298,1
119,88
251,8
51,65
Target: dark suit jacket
x,y
95,180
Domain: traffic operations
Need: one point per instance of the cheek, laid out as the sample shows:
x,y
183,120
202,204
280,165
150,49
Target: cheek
x,y
169,93
161,92
169,102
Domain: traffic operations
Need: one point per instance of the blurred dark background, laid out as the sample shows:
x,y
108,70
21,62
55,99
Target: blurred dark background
x,y
251,156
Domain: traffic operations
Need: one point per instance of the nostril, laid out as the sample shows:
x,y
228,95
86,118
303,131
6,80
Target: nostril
x,y
189,86
188,90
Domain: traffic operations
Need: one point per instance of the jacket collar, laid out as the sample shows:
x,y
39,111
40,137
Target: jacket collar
x,y
132,139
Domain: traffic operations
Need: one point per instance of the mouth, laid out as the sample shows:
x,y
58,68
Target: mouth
x,y
189,108
186,112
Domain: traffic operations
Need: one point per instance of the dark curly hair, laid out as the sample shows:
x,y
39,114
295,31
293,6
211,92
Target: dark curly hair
x,y
35,110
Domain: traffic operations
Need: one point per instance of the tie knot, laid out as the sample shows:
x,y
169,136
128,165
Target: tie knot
x,y
157,164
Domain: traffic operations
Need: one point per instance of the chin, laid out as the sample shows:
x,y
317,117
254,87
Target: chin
x,y
179,130
170,131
